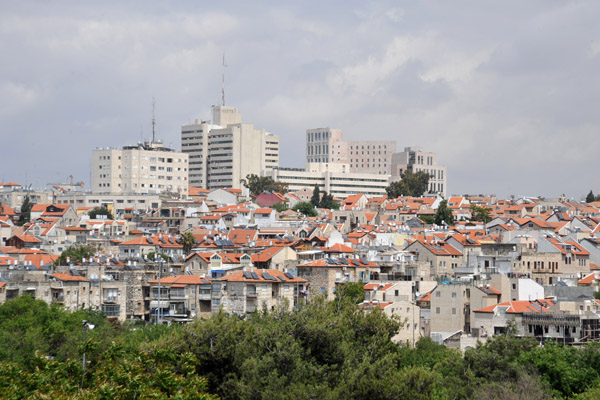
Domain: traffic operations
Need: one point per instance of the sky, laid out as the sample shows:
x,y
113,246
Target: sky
x,y
506,92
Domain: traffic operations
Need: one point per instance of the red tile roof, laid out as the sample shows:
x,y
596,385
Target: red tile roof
x,y
70,278
519,307
181,280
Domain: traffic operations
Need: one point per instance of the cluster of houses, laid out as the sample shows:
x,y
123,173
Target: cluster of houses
x,y
532,266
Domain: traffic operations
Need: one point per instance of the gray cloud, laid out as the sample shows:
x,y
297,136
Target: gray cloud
x,y
505,92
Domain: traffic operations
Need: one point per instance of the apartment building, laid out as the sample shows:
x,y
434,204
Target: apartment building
x,y
414,159
244,292
326,145
336,178
223,152
147,168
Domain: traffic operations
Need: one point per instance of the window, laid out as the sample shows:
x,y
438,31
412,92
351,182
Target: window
x,y
437,310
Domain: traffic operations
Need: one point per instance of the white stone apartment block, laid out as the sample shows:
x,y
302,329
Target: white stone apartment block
x,y
223,152
326,145
146,168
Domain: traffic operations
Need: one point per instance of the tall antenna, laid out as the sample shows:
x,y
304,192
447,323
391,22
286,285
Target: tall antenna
x,y
153,119
223,82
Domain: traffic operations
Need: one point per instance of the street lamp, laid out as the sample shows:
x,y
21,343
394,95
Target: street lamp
x,y
86,326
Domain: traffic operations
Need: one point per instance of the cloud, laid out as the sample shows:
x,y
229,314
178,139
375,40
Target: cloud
x,y
505,92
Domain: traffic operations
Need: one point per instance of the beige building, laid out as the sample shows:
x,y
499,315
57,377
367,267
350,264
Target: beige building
x,y
336,178
244,292
414,159
118,204
326,145
324,274
223,152
148,168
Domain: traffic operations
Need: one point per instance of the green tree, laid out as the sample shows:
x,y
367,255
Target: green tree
x,y
188,241
315,199
25,214
590,198
350,291
428,219
94,212
480,214
328,202
411,184
306,208
444,214
260,184
76,253
279,207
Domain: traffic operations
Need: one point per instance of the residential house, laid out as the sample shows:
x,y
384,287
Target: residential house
x,y
243,292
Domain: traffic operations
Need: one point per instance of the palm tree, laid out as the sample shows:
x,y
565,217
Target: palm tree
x,y
188,241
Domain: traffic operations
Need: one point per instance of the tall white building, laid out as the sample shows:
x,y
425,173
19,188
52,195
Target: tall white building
x,y
148,168
367,157
223,152
414,159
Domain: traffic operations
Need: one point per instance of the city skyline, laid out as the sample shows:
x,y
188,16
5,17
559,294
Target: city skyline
x,y
503,93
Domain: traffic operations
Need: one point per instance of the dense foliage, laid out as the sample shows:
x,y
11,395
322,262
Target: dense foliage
x,y
25,213
590,198
324,350
443,215
76,253
306,208
96,211
480,214
260,184
411,184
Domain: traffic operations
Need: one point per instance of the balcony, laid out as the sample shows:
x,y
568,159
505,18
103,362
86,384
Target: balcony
x,y
204,295
251,293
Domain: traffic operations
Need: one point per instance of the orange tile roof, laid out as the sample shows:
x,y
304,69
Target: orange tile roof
x,y
181,280
28,238
263,211
38,259
589,279
521,306
378,286
338,247
266,254
70,278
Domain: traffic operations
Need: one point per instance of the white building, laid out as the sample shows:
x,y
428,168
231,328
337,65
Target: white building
x,y
223,152
414,159
145,168
335,178
326,145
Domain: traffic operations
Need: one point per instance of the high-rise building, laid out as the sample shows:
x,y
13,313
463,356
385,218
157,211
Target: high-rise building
x,y
366,157
223,152
414,159
146,168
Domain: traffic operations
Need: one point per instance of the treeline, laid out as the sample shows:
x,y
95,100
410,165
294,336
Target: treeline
x,y
325,350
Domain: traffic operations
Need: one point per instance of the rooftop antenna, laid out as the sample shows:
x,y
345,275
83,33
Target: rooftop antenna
x,y
153,119
223,82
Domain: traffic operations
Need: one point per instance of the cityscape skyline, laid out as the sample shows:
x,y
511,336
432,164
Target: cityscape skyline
x,y
504,97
